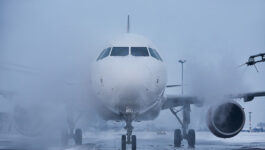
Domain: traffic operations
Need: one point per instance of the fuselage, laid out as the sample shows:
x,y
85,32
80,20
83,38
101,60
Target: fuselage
x,y
129,77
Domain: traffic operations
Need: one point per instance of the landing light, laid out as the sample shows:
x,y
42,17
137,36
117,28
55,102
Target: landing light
x,y
128,110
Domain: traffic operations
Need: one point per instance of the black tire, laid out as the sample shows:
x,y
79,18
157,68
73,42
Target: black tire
x,y
177,138
133,142
191,138
123,142
64,138
78,137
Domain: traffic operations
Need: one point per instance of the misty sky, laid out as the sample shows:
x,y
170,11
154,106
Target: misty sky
x,y
46,47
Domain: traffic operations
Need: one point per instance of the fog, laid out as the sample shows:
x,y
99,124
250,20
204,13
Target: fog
x,y
45,59
47,47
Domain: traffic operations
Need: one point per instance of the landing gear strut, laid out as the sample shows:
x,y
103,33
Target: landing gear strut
x,y
128,138
183,133
72,133
77,136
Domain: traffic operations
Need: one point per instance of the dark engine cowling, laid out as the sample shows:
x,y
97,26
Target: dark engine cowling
x,y
226,120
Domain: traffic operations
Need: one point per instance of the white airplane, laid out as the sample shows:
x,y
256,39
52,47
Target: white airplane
x,y
129,80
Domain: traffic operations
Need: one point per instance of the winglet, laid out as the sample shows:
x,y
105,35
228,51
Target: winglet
x,y
128,24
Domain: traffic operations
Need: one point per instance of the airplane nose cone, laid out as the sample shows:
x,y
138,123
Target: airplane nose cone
x,y
135,77
129,92
129,98
132,88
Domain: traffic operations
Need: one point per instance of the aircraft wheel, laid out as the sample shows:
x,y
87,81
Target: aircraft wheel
x,y
78,136
123,142
133,142
191,138
177,138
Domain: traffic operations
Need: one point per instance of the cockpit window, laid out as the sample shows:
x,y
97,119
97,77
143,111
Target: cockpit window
x,y
155,54
139,51
99,57
104,53
120,51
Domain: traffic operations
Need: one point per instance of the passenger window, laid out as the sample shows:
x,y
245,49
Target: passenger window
x,y
155,54
139,51
120,51
104,53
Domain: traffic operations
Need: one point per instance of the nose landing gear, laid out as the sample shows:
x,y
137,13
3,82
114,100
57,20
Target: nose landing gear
x,y
128,138
179,134
124,142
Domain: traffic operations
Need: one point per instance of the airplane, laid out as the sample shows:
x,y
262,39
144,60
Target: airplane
x,y
129,80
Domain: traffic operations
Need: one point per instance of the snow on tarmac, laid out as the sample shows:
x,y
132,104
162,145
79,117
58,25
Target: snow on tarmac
x,y
153,141
111,140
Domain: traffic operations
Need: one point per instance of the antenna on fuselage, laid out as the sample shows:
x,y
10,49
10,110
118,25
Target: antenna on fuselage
x,y
128,24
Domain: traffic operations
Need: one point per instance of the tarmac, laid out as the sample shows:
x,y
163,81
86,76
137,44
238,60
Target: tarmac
x,y
111,140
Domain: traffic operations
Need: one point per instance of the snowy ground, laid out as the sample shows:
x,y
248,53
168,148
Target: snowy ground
x,y
152,141
146,141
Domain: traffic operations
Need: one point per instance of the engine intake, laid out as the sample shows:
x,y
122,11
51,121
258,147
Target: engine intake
x,y
226,120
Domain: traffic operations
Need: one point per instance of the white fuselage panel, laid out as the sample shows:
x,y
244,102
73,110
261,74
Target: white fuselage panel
x,y
129,84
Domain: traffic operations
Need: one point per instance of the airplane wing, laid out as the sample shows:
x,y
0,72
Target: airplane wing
x,y
176,100
247,96
173,85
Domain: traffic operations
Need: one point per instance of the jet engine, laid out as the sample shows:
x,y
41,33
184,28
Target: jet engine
x,y
226,120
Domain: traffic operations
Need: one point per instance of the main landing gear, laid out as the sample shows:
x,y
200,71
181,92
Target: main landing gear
x,y
183,133
72,132
77,135
128,138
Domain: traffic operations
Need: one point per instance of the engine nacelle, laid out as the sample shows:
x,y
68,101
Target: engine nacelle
x,y
226,120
